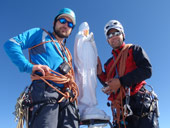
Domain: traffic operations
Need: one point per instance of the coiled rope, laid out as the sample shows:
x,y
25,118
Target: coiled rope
x,y
118,102
67,80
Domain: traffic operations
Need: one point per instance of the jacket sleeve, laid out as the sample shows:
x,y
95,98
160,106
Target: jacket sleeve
x,y
103,76
102,79
143,70
14,46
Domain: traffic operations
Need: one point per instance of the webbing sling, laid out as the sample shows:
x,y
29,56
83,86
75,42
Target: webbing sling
x,y
118,102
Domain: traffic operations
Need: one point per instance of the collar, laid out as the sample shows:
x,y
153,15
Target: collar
x,y
116,51
56,39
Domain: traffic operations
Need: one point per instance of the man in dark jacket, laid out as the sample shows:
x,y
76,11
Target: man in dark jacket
x,y
123,79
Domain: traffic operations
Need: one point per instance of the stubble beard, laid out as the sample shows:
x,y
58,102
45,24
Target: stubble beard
x,y
58,33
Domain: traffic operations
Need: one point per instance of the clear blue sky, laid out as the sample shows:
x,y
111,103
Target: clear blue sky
x,y
146,23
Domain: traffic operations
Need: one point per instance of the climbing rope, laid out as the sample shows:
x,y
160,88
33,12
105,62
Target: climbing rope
x,y
68,79
118,101
21,113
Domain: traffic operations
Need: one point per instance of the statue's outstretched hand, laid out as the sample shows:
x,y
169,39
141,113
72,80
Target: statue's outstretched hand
x,y
99,66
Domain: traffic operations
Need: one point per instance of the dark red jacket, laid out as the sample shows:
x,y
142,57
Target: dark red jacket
x,y
138,68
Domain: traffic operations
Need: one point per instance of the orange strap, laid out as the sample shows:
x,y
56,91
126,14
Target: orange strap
x,y
122,57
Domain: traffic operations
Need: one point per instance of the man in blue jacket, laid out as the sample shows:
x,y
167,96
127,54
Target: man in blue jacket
x,y
49,57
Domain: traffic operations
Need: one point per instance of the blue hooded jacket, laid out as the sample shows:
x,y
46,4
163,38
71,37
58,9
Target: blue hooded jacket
x,y
45,54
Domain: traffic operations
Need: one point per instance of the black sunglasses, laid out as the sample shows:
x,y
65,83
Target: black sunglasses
x,y
63,21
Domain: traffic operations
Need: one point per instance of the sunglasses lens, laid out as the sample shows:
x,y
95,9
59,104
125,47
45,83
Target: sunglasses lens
x,y
109,36
70,24
62,21
113,34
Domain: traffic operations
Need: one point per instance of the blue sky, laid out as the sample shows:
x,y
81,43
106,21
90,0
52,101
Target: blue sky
x,y
146,23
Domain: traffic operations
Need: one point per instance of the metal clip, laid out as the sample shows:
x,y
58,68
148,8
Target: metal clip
x,y
127,110
156,102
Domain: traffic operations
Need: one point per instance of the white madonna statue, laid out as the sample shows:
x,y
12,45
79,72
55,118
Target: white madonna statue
x,y
85,63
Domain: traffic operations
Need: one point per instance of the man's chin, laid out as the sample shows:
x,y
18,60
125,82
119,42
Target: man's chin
x,y
61,35
116,46
64,36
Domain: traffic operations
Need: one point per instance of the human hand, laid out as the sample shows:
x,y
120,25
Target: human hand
x,y
99,66
91,37
44,69
113,86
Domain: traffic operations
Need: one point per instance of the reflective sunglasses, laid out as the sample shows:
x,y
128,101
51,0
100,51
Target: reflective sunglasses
x,y
63,21
113,34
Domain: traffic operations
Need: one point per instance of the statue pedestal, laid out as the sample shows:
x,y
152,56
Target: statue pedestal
x,y
96,123
93,113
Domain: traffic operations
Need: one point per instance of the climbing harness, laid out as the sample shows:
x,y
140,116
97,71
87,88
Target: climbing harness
x,y
151,101
145,106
